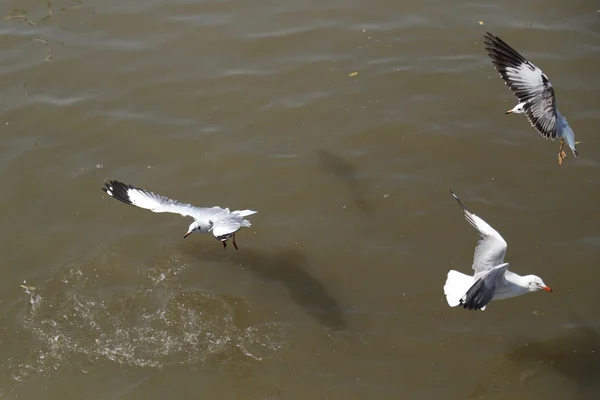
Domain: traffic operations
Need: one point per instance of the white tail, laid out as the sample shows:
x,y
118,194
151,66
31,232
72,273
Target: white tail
x,y
456,287
244,213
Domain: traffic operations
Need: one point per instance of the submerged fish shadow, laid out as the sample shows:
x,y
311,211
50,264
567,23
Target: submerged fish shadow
x,y
575,355
285,266
346,172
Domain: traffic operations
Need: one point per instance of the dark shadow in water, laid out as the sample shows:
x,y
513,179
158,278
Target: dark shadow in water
x,y
345,172
576,355
285,266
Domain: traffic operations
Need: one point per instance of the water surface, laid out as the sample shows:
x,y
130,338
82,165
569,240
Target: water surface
x,y
344,123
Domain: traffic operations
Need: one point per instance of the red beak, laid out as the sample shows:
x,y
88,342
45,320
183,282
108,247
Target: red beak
x,y
187,234
547,289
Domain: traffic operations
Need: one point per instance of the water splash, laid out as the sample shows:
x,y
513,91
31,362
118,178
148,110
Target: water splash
x,y
146,321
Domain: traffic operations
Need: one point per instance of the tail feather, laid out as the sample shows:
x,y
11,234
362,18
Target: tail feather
x,y
569,137
244,213
456,287
572,143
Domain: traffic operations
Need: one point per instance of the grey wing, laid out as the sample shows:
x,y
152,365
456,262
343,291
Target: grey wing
x,y
482,291
527,82
541,113
491,247
142,198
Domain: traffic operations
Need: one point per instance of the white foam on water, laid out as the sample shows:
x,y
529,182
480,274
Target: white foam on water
x,y
149,322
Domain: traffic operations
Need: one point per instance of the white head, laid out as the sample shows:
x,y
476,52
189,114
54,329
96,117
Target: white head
x,y
536,283
194,226
519,109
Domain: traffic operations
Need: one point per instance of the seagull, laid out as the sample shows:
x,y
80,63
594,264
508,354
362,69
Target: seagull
x,y
220,221
534,91
492,280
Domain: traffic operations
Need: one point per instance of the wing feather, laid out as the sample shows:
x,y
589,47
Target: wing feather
x,y
223,229
482,292
491,247
527,82
142,198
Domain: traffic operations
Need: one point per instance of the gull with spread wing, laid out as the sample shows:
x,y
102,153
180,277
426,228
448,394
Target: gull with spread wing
x,y
491,280
220,221
534,91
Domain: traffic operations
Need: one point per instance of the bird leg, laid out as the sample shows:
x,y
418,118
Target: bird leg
x,y
561,154
234,244
224,243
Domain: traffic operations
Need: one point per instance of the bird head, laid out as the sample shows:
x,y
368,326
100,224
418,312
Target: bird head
x,y
194,226
518,109
536,283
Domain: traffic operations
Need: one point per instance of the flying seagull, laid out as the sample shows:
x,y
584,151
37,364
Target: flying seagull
x,y
220,221
534,91
492,280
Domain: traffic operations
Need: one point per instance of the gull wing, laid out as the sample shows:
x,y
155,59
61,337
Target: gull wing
x,y
482,291
142,198
491,247
527,82
224,228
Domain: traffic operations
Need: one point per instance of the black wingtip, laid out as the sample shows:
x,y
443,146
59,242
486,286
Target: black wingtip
x,y
492,40
118,190
470,306
501,53
477,296
107,189
455,197
488,40
458,200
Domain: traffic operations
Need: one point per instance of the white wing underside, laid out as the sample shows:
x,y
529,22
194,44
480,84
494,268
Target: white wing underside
x,y
540,106
159,204
528,83
491,247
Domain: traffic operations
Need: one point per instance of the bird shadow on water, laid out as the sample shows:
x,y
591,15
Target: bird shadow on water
x,y
286,267
575,355
346,172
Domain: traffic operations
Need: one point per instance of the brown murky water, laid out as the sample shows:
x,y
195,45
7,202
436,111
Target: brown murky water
x,y
344,123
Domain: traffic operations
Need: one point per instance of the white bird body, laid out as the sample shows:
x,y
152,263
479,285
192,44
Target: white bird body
x,y
507,286
220,221
492,280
